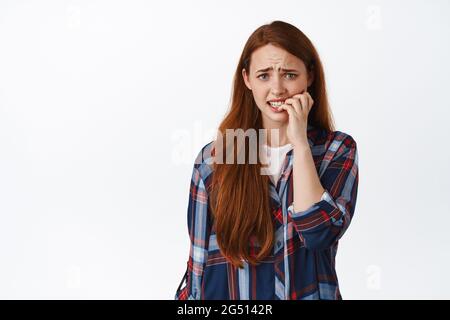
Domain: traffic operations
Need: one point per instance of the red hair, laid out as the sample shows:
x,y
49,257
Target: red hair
x,y
240,201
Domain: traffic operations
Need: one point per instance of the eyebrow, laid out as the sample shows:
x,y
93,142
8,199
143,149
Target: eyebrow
x,y
270,68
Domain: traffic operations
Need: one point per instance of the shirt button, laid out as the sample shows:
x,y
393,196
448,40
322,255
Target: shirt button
x,y
279,243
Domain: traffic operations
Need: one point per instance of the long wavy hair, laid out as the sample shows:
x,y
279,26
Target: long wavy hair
x,y
239,193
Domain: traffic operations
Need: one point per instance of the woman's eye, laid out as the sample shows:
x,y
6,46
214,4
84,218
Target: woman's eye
x,y
288,75
264,74
292,74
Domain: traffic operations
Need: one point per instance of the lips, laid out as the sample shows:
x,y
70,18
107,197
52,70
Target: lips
x,y
275,109
277,100
277,104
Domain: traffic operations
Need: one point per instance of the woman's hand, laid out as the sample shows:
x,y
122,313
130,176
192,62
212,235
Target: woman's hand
x,y
298,108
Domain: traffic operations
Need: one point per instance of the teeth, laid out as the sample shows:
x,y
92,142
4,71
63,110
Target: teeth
x,y
276,104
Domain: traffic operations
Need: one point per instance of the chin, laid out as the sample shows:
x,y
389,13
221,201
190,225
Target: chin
x,y
279,117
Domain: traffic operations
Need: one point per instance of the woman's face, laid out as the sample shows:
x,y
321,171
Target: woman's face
x,y
275,74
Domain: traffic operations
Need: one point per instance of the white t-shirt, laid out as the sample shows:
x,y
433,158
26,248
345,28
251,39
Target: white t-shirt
x,y
274,157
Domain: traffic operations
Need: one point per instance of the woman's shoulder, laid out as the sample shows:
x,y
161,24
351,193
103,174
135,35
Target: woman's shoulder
x,y
330,138
205,159
205,154
341,137
336,143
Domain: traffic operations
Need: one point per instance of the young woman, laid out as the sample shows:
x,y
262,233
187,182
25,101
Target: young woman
x,y
272,236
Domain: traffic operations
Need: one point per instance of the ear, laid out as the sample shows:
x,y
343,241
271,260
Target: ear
x,y
245,76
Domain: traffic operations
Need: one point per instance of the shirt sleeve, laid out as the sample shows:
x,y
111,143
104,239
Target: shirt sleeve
x,y
324,223
198,227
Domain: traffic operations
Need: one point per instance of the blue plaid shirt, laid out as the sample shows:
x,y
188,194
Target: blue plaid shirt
x,y
302,264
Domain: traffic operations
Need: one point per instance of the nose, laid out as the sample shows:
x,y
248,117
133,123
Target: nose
x,y
277,86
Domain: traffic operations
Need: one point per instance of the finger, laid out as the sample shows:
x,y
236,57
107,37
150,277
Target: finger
x,y
298,95
295,103
290,109
310,99
304,100
305,103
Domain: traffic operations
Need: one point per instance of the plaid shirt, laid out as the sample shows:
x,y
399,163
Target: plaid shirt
x,y
302,264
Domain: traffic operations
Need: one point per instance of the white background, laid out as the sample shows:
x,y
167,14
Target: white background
x,y
104,105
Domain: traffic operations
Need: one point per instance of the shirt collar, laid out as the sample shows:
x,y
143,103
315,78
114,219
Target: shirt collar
x,y
287,167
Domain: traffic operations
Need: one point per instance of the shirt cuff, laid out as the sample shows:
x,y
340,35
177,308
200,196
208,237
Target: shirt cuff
x,y
323,211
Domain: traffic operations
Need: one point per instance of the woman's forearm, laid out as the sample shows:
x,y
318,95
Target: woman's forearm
x,y
307,187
